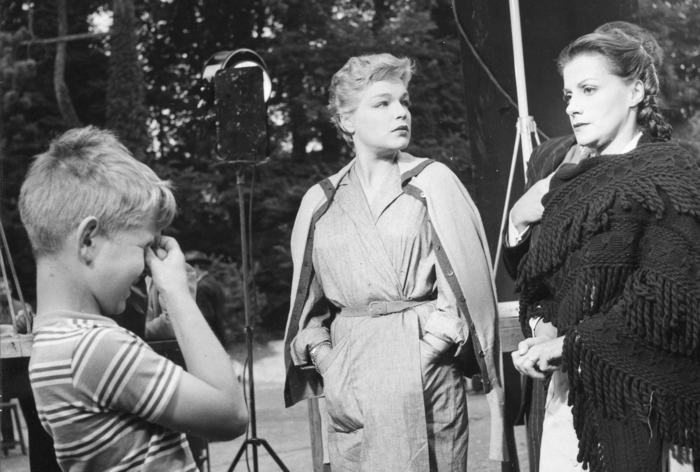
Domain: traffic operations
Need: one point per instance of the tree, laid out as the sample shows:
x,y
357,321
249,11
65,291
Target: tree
x,y
127,114
304,43
676,26
65,104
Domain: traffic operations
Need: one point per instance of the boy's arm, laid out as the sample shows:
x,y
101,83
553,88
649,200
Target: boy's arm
x,y
209,399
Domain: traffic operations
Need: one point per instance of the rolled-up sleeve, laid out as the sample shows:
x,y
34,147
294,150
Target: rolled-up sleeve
x,y
314,321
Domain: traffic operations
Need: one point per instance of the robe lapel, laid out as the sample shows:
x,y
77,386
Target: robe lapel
x,y
351,199
390,191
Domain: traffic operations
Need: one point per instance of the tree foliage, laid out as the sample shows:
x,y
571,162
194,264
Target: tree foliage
x,y
303,43
676,26
127,113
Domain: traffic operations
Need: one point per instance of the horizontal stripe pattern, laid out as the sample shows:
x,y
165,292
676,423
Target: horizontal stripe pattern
x,y
99,390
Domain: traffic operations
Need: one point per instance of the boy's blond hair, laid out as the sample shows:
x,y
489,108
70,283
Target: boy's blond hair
x,y
88,172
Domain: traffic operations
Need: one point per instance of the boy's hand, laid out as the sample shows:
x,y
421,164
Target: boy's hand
x,y
167,265
22,318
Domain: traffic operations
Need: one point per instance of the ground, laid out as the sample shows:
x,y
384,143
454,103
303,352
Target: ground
x,y
286,430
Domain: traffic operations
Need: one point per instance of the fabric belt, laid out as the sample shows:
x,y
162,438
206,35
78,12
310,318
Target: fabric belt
x,y
381,308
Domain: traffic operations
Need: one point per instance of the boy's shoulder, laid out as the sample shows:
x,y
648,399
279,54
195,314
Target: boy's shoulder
x,y
93,358
64,319
80,342
88,374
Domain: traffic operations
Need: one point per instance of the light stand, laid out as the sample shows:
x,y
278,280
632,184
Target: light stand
x,y
526,124
242,142
254,441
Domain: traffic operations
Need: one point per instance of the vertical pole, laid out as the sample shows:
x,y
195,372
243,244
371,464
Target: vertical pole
x,y
27,316
240,181
8,295
519,62
315,427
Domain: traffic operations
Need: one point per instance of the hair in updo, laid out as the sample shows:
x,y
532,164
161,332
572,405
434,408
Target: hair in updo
x,y
631,57
356,76
641,34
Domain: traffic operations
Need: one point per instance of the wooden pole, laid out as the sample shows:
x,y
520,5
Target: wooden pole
x,y
316,431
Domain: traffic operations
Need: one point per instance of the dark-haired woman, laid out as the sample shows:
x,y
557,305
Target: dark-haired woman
x,y
615,271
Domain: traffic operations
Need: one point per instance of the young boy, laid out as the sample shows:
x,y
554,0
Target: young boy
x,y
94,216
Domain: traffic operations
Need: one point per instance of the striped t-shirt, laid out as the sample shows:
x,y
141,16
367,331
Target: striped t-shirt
x,y
99,390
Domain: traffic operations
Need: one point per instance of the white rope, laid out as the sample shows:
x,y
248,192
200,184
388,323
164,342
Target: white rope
x,y
505,205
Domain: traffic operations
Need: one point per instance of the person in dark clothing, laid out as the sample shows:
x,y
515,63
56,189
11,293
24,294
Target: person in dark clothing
x,y
41,450
605,277
544,161
210,294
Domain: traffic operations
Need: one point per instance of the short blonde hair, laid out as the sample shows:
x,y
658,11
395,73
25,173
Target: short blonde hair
x,y
356,75
88,172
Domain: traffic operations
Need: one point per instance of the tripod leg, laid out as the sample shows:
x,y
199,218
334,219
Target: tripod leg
x,y
238,456
273,455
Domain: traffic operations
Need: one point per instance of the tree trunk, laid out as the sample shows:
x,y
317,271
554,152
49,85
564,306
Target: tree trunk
x,y
381,13
127,114
65,105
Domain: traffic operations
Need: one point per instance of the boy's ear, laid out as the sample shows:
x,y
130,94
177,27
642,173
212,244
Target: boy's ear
x,y
87,231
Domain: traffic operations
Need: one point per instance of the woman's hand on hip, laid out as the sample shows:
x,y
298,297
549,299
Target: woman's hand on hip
x,y
323,351
538,357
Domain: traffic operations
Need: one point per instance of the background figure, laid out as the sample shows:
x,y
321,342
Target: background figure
x,y
544,161
6,298
40,443
21,315
611,233
388,254
210,294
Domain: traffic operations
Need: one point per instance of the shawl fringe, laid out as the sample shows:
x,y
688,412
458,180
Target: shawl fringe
x,y
596,383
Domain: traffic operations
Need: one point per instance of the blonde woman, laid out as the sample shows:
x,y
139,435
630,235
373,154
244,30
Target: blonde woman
x,y
392,297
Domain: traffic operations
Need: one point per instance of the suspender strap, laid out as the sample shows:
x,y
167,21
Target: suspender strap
x,y
408,175
307,264
446,267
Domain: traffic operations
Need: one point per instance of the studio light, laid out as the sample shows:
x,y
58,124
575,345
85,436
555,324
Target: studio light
x,y
241,93
238,59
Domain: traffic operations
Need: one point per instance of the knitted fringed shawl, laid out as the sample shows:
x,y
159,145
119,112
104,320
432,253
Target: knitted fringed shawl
x,y
616,269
